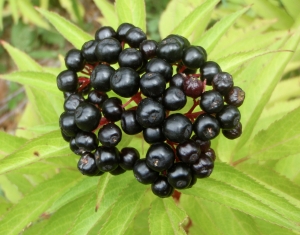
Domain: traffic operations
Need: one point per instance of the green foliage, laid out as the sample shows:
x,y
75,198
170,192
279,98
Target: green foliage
x,y
255,186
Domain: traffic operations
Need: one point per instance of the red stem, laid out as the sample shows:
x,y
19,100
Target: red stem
x,y
196,103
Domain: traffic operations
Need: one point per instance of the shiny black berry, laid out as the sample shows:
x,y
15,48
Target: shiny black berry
x,y
182,40
152,84
110,135
178,80
206,127
160,157
75,149
74,60
87,165
157,65
222,82
208,70
107,158
108,50
134,37
153,135
105,32
174,98
87,116
150,113
177,128
161,187
100,77
170,50
180,175
235,96
129,122
148,49
97,97
125,82
123,29
86,141
67,124
143,173
193,57
131,57
229,117
188,151
203,144
67,81
118,171
234,132
112,109
210,153
72,102
203,167
128,157
211,101
88,50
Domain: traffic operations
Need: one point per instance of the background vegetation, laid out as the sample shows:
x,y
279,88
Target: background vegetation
x,y
255,186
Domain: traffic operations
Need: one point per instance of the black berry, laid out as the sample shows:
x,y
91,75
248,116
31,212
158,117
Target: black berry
x,y
110,135
128,157
143,173
161,187
179,175
206,127
87,116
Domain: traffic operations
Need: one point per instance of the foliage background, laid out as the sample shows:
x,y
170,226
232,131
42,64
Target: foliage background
x,y
254,188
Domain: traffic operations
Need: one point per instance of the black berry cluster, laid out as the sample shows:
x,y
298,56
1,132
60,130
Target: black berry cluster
x,y
160,78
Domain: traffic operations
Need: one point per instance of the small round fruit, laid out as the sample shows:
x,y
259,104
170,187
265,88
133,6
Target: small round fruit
x,y
105,32
188,151
150,113
72,102
211,101
74,60
128,157
157,65
131,57
235,96
107,158
170,50
110,135
222,82
148,49
123,29
153,135
97,97
193,57
108,50
87,165
161,187
129,123
86,141
88,51
174,98
143,173
67,124
112,109
234,132
206,127
134,37
152,84
229,117
192,87
179,175
177,128
67,81
208,70
204,167
87,116
160,157
125,82
100,77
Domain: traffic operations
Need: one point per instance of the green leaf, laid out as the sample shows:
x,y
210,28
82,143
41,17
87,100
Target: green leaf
x,y
9,143
102,186
267,10
13,5
175,13
108,11
124,209
203,214
201,14
29,13
41,80
140,224
231,188
292,8
21,59
35,203
1,13
261,87
278,184
123,9
68,30
231,62
165,217
88,220
286,167
278,141
10,190
213,35
47,146
85,187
